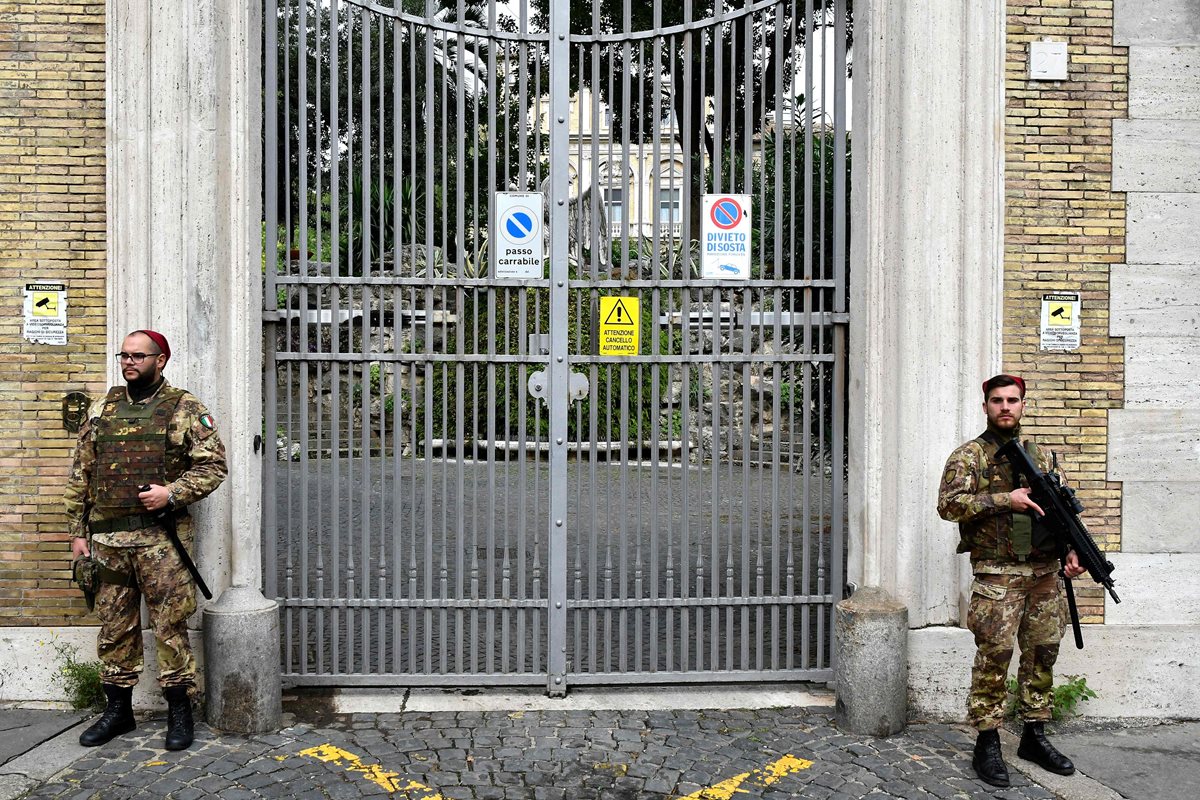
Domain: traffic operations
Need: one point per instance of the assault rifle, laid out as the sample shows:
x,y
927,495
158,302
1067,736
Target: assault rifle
x,y
1062,510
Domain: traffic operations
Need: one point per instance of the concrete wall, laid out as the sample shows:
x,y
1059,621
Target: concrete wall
x,y
1138,671
1156,307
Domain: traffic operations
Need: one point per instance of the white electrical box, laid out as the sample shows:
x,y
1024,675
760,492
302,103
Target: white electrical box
x,y
1047,61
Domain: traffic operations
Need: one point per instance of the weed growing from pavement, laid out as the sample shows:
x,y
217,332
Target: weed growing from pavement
x,y
1067,696
79,679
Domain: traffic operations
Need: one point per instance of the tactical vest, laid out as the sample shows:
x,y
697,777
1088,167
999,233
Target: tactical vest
x,y
1004,537
131,450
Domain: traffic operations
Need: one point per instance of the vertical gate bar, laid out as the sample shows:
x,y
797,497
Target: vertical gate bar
x,y
396,528
364,395
301,295
271,212
709,369
782,140
288,233
839,304
589,435
430,367
460,401
822,305
498,587
559,379
514,619
692,137
655,399
409,76
321,539
377,303
334,369
493,452
346,423
747,336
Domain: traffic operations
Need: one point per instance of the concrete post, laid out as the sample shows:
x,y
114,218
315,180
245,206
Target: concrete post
x,y
871,663
184,239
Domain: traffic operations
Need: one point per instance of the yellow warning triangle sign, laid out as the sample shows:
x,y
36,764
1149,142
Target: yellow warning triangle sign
x,y
619,315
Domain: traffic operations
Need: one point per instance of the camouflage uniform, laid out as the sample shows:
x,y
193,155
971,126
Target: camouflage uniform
x,y
168,439
1017,592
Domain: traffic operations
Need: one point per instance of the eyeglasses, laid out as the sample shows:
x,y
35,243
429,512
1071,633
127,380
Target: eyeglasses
x,y
134,358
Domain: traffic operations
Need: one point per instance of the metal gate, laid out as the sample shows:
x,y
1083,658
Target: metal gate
x,y
461,488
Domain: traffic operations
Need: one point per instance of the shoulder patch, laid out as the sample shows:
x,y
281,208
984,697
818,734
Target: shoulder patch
x,y
207,421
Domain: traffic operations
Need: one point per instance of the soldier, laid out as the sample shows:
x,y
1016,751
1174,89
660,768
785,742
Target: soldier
x,y
1017,591
146,433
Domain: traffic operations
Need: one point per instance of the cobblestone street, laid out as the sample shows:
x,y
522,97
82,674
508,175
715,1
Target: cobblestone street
x,y
540,755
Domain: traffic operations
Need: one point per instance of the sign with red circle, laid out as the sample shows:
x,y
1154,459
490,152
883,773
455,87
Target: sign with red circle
x,y
726,213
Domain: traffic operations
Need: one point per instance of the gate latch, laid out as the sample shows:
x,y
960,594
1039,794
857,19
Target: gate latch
x,y
576,390
539,343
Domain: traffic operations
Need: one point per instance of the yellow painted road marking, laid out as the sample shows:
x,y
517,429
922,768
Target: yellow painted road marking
x,y
766,776
375,773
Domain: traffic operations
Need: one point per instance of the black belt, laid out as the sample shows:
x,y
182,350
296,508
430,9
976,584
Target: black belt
x,y
133,522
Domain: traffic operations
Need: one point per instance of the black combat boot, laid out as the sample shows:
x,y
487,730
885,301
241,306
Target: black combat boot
x,y
988,761
1036,747
116,719
179,718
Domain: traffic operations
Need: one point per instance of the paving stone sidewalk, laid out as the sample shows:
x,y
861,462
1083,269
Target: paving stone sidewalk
x,y
540,755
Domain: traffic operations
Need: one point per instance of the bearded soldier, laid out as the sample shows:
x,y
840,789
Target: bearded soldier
x,y
1017,592
146,452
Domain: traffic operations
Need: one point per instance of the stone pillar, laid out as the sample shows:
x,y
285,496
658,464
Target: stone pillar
x,y
871,665
925,283
184,252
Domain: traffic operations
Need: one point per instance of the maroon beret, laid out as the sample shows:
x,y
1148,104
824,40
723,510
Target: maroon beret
x,y
159,340
994,381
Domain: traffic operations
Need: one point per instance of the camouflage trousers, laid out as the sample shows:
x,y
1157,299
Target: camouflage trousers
x,y
1033,611
170,597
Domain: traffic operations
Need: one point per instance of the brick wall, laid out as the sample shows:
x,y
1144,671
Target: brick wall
x,y
1064,227
52,228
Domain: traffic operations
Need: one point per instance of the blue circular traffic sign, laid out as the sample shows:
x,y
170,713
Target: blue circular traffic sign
x,y
519,225
726,213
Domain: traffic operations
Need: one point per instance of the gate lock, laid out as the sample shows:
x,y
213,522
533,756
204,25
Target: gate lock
x,y
539,381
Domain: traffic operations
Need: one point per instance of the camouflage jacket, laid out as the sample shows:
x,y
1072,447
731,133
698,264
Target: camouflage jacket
x,y
191,437
975,493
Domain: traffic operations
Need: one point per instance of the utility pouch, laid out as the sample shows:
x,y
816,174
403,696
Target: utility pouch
x,y
86,574
89,573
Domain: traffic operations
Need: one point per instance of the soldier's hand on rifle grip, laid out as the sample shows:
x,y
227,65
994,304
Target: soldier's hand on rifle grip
x,y
79,547
1072,567
153,496
1021,501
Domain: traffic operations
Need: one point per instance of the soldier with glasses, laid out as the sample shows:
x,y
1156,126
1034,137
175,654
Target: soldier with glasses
x,y
147,449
